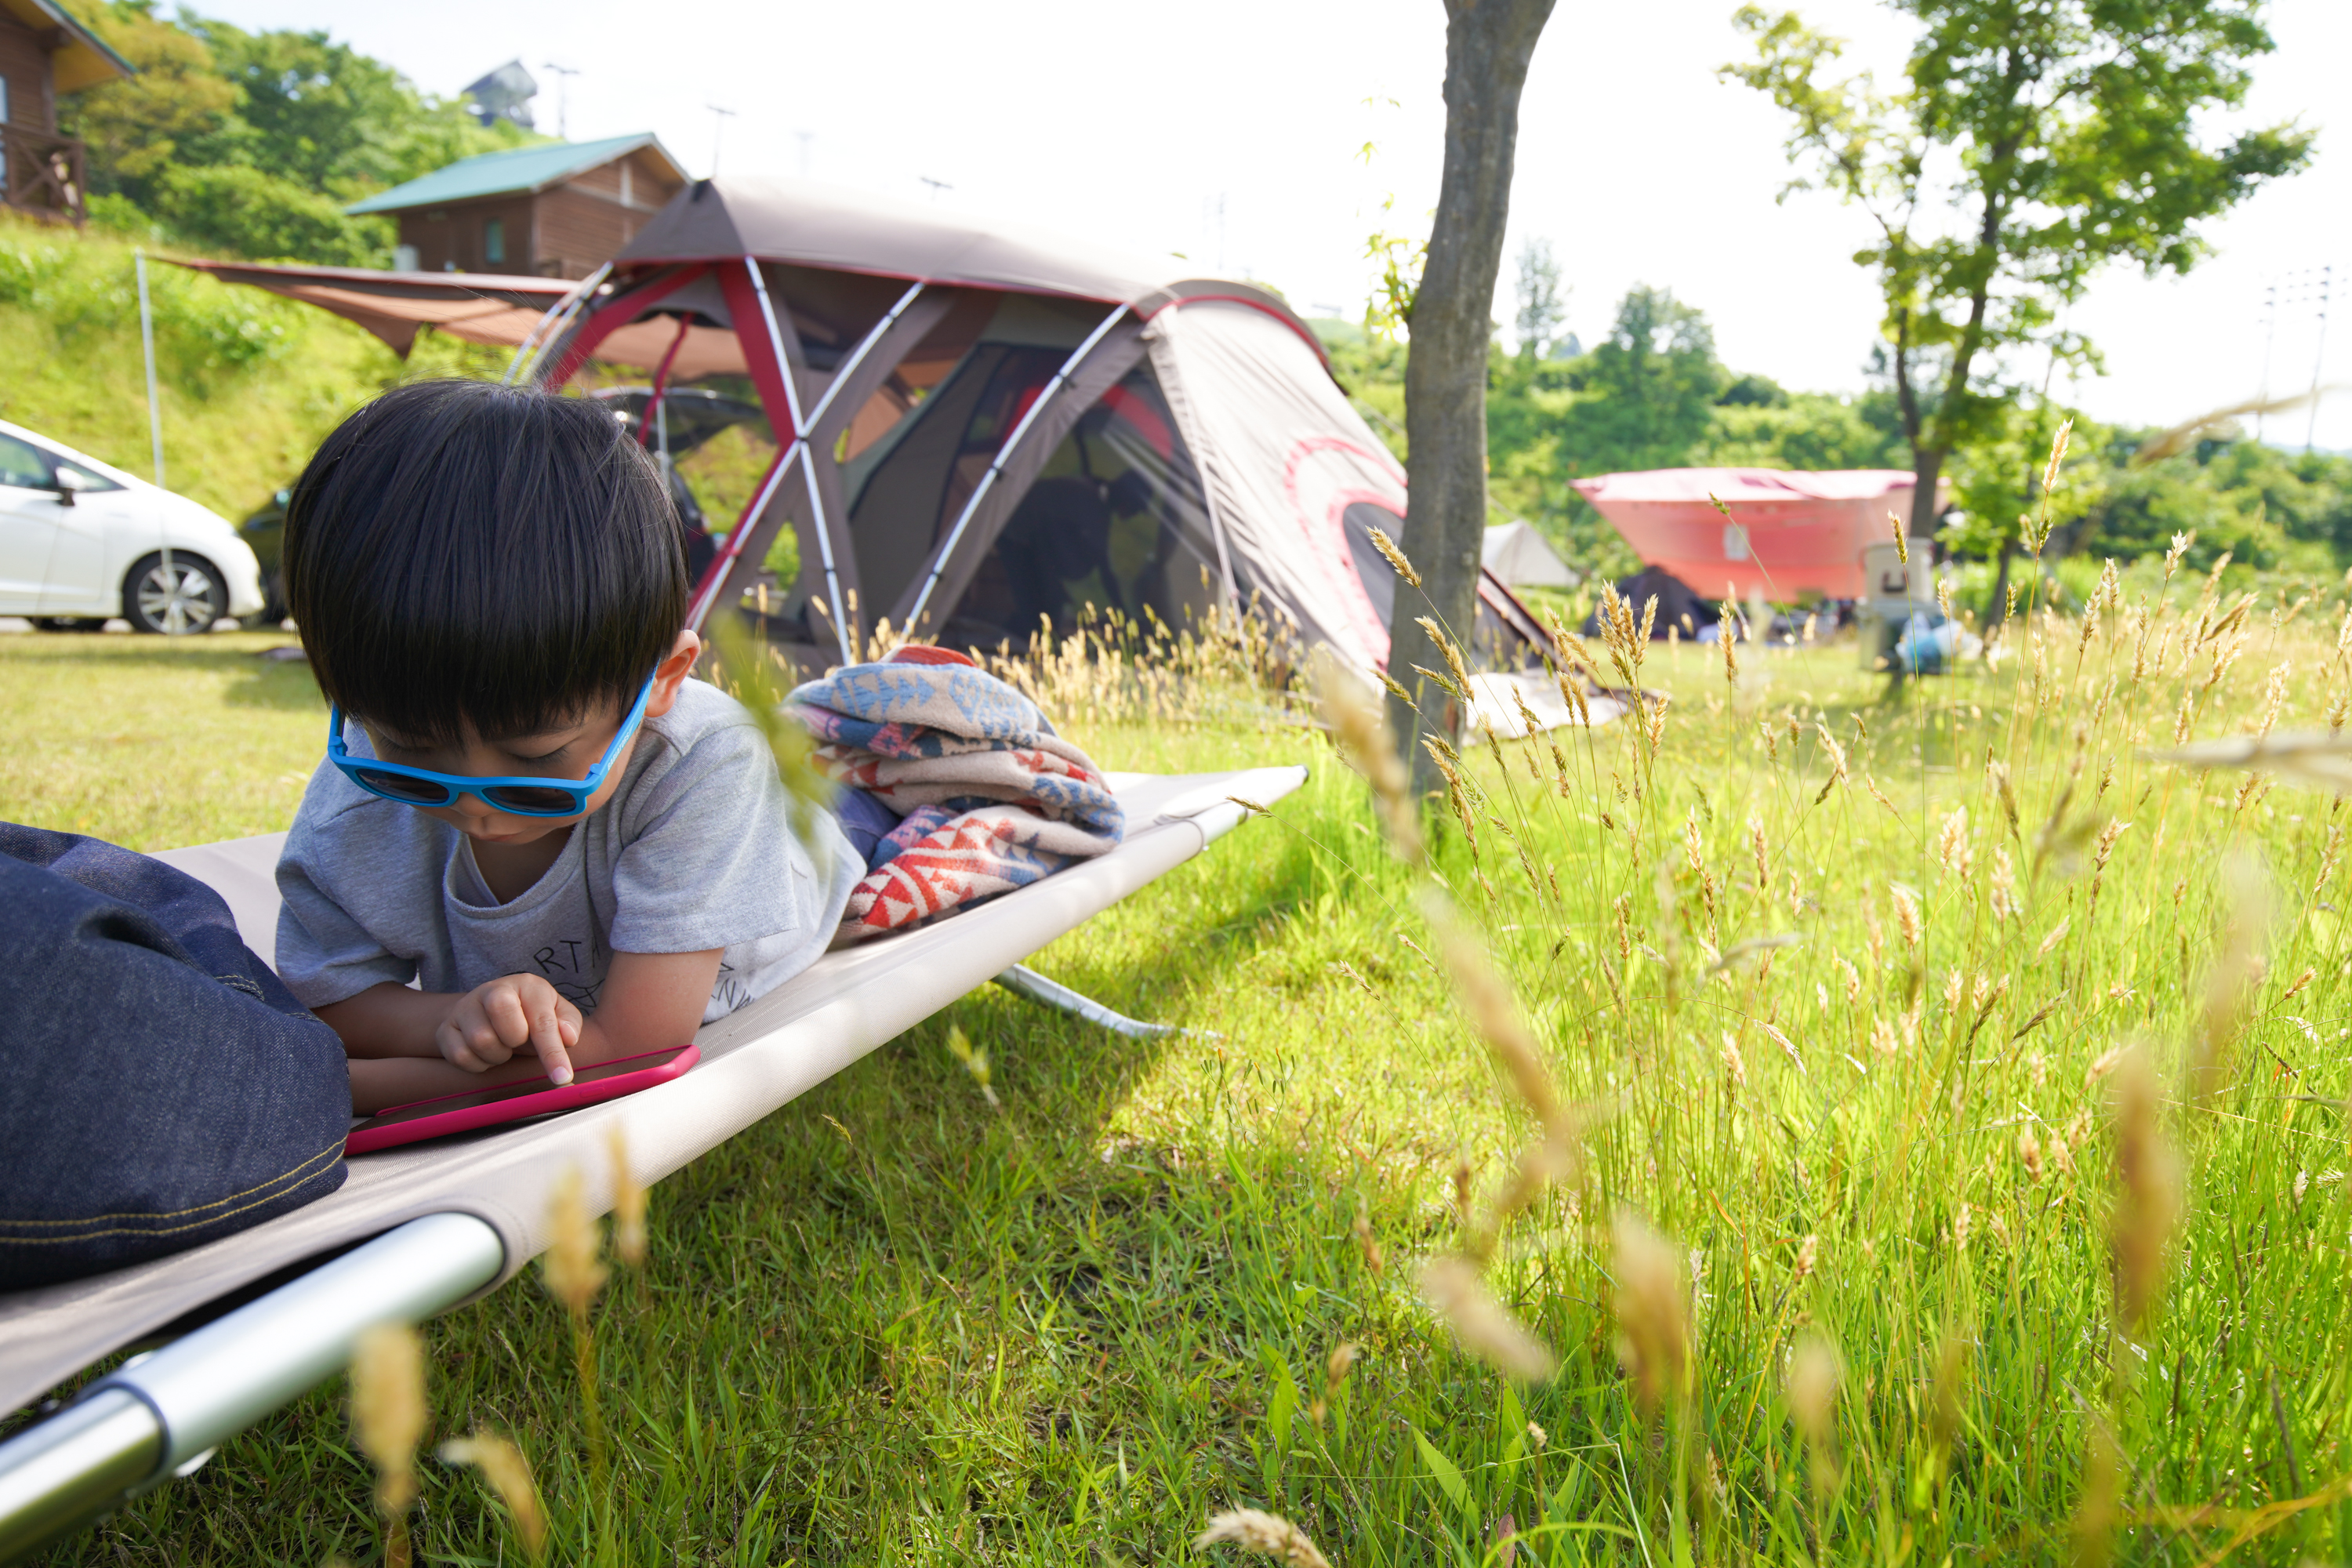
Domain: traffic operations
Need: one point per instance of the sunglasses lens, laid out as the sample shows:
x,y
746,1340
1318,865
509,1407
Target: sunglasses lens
x,y
532,801
401,787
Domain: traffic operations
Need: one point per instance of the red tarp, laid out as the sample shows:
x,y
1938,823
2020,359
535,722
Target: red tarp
x,y
1787,531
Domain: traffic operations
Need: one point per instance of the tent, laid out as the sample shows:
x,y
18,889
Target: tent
x,y
1784,533
1517,554
983,429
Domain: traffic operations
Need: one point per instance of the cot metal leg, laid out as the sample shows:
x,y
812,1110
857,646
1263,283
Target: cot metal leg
x,y
162,1414
1023,981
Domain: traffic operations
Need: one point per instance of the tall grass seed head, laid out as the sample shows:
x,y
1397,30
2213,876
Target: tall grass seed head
x,y
1482,1325
388,1411
1262,1534
502,1465
573,1270
1652,1325
628,1203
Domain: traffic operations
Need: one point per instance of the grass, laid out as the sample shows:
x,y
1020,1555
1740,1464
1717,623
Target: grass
x,y
891,1324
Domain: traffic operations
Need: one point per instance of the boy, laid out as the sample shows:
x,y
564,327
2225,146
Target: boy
x,y
528,810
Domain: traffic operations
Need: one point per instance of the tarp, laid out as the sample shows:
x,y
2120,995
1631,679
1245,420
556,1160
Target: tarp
x,y
754,1060
1789,533
480,307
1519,556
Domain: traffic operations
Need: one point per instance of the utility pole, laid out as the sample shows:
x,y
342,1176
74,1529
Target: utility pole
x,y
563,99
719,119
2318,356
2269,334
805,138
937,185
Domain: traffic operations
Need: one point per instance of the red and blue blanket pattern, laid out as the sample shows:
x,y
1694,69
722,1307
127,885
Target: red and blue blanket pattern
x,y
989,799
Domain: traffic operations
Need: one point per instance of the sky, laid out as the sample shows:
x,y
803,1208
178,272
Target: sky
x,y
1235,134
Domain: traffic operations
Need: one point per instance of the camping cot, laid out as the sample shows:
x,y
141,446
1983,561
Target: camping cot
x,y
254,1320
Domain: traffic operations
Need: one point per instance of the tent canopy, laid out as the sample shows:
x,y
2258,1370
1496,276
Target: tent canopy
x,y
1518,554
1780,534
982,431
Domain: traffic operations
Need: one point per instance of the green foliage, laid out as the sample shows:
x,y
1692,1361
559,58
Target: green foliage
x,y
253,143
251,212
2033,145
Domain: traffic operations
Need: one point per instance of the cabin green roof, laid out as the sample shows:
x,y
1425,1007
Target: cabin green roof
x,y
514,170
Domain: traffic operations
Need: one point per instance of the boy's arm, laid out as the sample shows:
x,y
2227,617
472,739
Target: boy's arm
x,y
649,1001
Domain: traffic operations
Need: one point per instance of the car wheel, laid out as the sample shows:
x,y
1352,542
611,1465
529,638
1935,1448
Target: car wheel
x,y
187,600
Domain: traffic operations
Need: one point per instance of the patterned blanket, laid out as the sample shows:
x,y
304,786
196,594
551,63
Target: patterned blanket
x,y
989,799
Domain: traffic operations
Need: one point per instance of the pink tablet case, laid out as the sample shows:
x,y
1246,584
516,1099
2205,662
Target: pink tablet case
x,y
374,1134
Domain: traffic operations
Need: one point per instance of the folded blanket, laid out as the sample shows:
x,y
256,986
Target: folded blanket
x,y
989,799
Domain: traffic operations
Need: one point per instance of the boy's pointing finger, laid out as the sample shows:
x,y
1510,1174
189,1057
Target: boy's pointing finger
x,y
547,1038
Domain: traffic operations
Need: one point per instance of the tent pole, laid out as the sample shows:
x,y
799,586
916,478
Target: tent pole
x,y
557,317
1012,443
715,579
799,448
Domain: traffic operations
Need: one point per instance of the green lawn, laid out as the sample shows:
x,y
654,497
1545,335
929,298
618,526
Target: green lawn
x,y
891,1324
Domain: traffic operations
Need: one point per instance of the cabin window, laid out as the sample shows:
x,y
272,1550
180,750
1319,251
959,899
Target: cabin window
x,y
3,100
494,240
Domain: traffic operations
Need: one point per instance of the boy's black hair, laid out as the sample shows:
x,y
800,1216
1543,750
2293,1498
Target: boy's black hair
x,y
464,555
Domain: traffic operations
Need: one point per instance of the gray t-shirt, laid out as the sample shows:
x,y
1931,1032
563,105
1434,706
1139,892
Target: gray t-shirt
x,y
694,850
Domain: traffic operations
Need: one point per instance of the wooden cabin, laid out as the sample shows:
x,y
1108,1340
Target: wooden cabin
x,y
558,210
44,55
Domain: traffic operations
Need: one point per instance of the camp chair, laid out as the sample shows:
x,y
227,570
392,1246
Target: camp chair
x,y
254,1320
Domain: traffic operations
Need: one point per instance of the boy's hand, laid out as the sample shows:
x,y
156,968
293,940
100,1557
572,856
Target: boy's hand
x,y
513,1013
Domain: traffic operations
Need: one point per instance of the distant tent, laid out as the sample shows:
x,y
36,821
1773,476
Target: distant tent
x,y
1518,554
997,429
1677,602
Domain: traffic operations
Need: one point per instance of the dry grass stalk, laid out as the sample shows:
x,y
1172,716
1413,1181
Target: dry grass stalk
x,y
628,1203
1266,1534
1367,1242
1811,1389
975,1063
573,1271
2147,1192
1653,1322
1335,1377
1363,735
388,1411
509,1473
1481,1324
1395,557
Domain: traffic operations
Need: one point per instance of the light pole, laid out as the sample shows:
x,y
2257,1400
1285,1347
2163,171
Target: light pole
x,y
719,119
562,100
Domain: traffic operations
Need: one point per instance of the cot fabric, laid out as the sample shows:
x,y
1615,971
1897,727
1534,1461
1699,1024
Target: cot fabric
x,y
163,1088
990,798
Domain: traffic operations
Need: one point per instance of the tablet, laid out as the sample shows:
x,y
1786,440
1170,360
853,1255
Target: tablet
x,y
465,1112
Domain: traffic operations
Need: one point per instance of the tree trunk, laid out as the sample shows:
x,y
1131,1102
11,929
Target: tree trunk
x,y
1487,46
1926,468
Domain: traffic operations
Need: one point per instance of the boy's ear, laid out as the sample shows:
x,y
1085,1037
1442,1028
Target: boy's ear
x,y
672,672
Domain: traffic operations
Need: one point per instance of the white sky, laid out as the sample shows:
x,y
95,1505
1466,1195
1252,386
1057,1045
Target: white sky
x,y
1137,124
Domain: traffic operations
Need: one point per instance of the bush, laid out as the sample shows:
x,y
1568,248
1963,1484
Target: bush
x,y
250,213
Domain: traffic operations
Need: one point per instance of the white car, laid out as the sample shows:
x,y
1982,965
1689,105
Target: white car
x,y
81,543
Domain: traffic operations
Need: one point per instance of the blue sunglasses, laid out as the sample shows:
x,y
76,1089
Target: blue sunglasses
x,y
518,796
